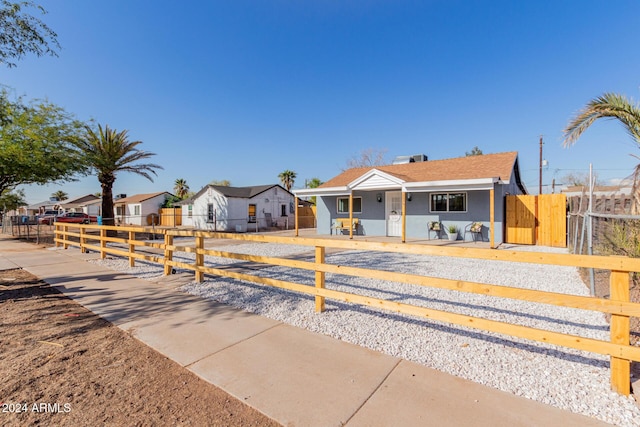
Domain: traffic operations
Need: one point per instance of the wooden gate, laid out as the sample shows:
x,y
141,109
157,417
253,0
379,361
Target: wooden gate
x,y
521,220
552,220
538,220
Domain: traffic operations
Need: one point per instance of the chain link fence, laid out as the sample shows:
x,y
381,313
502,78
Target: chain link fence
x,y
607,230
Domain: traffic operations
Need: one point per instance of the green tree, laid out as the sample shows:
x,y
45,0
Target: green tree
x,y
22,33
314,183
109,152
37,144
181,188
287,178
11,200
223,182
610,106
475,151
60,195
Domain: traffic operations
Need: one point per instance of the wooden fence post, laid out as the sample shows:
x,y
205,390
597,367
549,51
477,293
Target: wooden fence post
x,y
168,253
57,236
320,252
199,258
132,248
620,368
65,229
83,240
103,242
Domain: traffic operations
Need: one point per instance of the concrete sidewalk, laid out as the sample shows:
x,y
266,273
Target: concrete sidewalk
x,y
294,376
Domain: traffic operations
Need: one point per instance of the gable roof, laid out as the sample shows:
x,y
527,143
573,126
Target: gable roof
x,y
243,192
139,198
238,192
482,170
79,201
470,167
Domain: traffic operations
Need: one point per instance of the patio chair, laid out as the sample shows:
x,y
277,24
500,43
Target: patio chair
x,y
475,228
436,227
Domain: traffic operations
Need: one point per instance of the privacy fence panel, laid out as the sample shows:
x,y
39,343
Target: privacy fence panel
x,y
521,220
552,220
538,220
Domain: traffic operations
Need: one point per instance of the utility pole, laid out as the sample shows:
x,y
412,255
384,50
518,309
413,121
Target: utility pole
x,y
540,185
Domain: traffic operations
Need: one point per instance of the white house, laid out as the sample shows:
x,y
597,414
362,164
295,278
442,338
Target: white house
x,y
89,204
224,208
140,209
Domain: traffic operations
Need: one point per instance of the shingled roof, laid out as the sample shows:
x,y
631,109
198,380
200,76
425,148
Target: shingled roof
x,y
499,165
139,198
228,191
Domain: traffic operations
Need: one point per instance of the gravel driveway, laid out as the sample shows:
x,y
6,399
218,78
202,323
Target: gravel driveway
x,y
566,378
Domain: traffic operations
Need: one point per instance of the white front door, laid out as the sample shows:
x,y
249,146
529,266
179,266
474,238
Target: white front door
x,y
394,213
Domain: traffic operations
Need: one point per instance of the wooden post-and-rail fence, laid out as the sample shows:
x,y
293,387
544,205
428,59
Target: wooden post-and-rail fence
x,y
618,348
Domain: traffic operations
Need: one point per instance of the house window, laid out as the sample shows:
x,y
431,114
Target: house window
x,y
283,210
136,210
343,205
252,213
120,210
190,211
210,213
448,202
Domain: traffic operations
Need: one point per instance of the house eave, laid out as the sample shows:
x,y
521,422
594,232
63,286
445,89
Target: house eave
x,y
452,185
330,191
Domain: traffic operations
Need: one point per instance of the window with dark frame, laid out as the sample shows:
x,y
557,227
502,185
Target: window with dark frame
x,y
210,212
343,205
448,202
283,210
252,213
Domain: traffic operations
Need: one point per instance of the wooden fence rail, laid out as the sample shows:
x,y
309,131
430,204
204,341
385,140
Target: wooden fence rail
x,y
619,350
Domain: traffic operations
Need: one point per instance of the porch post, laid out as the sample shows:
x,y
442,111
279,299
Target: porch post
x,y
295,218
492,218
404,216
351,215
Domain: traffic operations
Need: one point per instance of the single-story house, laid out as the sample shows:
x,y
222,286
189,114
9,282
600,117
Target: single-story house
x,y
140,209
52,204
89,204
225,208
405,198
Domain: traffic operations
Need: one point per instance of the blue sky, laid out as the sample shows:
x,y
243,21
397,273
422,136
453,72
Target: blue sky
x,y
244,90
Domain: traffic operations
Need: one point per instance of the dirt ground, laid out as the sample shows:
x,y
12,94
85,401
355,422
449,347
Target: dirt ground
x,y
62,365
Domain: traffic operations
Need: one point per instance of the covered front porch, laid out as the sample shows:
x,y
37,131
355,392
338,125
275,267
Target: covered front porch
x,y
405,212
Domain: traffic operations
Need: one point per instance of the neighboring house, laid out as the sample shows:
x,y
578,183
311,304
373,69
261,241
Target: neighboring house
x,y
41,207
224,208
454,192
139,209
86,204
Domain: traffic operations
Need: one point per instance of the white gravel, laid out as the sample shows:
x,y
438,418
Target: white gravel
x,y
569,379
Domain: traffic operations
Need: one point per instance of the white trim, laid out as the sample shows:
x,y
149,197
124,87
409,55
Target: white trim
x,y
397,184
383,181
331,191
451,185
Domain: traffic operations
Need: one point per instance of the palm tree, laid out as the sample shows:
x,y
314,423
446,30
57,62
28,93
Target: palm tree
x,y
60,195
181,188
287,178
610,106
108,152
